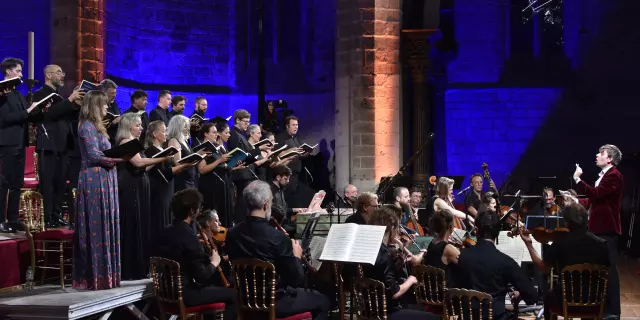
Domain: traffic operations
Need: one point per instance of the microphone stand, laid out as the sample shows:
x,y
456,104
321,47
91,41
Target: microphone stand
x,y
31,83
404,167
337,208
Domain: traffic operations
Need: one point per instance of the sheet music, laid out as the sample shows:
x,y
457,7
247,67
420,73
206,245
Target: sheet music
x,y
315,248
339,241
526,257
504,239
513,251
459,234
367,244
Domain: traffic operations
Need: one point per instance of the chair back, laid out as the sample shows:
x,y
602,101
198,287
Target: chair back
x,y
467,304
584,287
33,209
432,282
369,298
255,282
30,163
167,284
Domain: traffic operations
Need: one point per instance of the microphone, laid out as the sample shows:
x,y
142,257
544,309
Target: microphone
x,y
517,194
463,191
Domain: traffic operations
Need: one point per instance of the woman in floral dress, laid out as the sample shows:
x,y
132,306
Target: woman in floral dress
x,y
96,241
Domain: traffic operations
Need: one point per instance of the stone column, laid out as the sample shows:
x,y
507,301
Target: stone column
x,y
77,43
417,58
367,91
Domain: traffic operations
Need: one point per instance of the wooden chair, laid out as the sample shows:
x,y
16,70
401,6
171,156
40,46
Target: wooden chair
x,y
31,177
432,282
256,290
167,289
467,304
369,297
40,239
582,299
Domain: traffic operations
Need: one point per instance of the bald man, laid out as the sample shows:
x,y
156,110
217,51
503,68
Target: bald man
x,y
54,140
350,195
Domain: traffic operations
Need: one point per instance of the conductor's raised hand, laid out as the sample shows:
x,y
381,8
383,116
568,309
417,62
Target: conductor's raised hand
x,y
578,172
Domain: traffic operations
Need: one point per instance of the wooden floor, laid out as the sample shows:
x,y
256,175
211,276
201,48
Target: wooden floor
x,y
630,289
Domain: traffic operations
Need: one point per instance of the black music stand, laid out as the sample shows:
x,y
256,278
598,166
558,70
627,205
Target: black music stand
x,y
309,228
547,222
399,181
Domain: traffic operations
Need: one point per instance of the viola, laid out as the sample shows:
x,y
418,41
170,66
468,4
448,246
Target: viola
x,y
211,247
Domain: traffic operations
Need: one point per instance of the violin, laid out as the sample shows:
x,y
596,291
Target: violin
x,y
221,235
211,247
541,234
553,210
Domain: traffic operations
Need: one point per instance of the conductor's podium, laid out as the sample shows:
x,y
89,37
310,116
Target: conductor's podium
x,y
324,222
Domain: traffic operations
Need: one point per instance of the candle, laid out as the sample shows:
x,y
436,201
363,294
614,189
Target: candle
x,y
31,55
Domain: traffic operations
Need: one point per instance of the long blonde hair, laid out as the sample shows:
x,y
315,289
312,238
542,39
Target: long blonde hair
x,y
91,110
444,186
127,121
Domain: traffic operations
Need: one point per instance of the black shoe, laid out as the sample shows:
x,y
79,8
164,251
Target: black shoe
x,y
610,317
58,218
4,228
17,226
52,224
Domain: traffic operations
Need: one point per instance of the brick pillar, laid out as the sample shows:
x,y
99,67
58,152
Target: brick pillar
x,y
78,40
417,57
367,91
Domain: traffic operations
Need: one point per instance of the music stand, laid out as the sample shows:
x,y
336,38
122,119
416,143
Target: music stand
x,y
547,222
399,181
309,228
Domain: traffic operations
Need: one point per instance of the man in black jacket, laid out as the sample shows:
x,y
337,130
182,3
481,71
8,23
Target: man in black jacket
x,y
256,238
54,140
178,242
110,88
242,177
14,137
139,104
161,111
290,137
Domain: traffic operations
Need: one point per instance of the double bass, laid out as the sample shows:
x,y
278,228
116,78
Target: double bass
x,y
501,210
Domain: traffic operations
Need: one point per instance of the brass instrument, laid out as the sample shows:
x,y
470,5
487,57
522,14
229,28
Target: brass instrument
x,y
211,247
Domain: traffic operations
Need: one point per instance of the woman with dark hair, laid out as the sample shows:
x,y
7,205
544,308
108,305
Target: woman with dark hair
x,y
214,177
210,225
96,239
386,268
440,253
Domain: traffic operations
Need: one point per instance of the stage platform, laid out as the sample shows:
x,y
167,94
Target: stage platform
x,y
51,302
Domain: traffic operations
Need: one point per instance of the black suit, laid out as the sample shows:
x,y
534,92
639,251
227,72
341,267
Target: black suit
x,y
54,140
256,238
241,178
14,137
484,268
179,243
112,130
144,117
160,114
295,166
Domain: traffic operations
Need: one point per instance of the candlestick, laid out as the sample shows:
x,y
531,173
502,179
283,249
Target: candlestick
x,y
31,55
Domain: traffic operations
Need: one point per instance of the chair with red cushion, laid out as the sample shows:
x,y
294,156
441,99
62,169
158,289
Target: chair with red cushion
x,y
251,276
432,282
584,291
30,169
42,241
167,288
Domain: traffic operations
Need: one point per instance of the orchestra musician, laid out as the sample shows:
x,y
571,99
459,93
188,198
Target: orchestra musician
x,y
415,199
401,201
389,267
604,202
473,200
210,225
568,248
350,195
256,238
489,203
440,253
486,269
198,269
444,200
281,175
366,203
547,207
14,138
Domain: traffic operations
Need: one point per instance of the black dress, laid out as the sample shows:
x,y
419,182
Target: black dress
x,y
217,189
187,177
135,220
161,189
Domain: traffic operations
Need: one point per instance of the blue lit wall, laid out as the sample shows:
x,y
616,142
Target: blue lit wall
x,y
14,38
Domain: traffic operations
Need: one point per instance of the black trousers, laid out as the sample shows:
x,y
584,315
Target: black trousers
x,y
300,300
11,180
195,296
612,306
53,168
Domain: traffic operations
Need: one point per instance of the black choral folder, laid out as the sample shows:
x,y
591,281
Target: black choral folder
x,y
125,150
